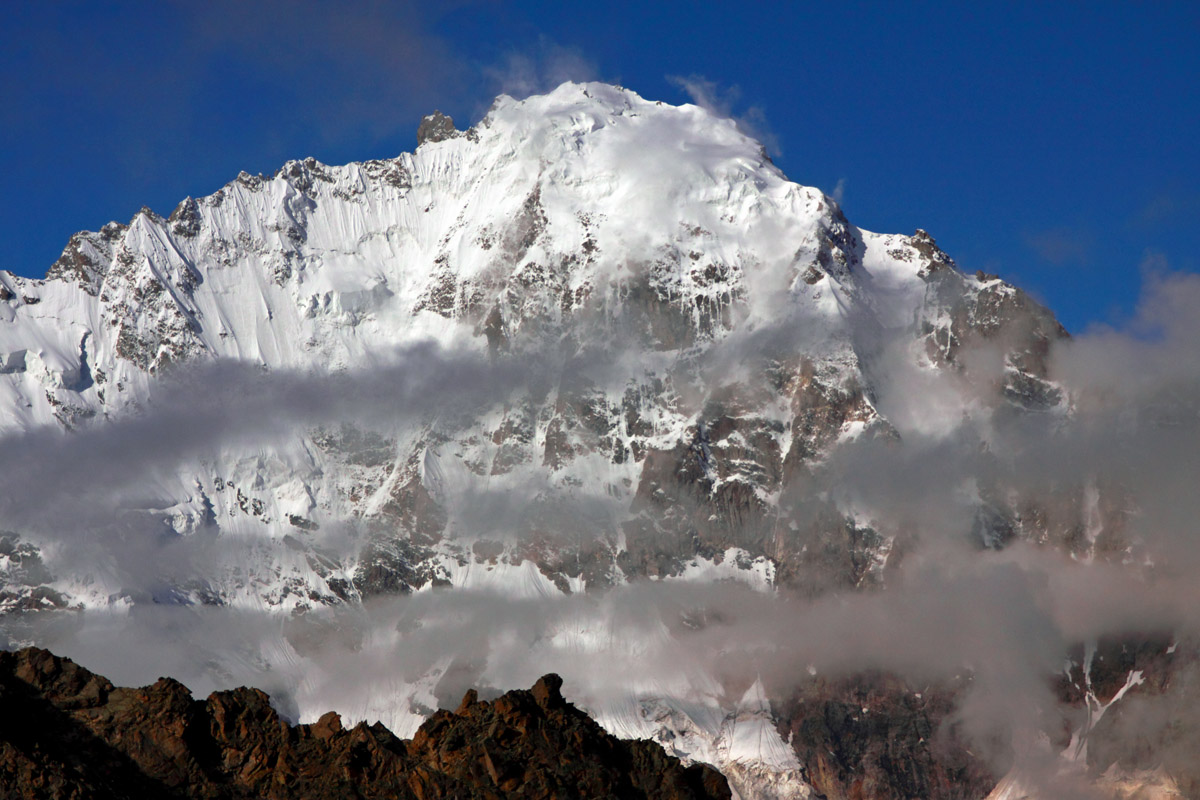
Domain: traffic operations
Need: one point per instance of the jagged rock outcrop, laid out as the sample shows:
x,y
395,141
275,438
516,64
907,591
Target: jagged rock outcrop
x,y
436,127
68,733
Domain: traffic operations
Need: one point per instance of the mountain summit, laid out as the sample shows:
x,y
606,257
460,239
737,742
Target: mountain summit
x,y
710,331
592,341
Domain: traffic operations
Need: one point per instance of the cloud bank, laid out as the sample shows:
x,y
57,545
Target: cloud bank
x,y
1006,619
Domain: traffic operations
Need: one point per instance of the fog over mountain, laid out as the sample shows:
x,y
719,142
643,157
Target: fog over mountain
x,y
592,388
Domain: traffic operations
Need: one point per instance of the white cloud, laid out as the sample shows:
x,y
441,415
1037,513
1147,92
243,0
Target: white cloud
x,y
721,102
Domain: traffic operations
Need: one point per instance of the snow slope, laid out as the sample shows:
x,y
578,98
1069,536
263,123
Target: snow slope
x,y
712,303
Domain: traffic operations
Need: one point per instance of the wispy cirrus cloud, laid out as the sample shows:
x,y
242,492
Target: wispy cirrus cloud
x,y
839,191
1060,246
338,68
724,101
538,69
1166,207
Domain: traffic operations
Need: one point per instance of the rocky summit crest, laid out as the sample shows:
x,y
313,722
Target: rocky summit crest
x,y
436,127
68,733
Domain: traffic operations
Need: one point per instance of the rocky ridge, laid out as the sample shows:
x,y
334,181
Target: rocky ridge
x,y
68,733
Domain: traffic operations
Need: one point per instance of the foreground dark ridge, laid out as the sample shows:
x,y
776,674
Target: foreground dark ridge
x,y
68,733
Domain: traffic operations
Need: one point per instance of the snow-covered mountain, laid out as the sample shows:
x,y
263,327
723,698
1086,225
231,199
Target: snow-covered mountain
x,y
584,223
690,337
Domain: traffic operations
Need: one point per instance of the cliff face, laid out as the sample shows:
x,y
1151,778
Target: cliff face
x,y
68,733
874,735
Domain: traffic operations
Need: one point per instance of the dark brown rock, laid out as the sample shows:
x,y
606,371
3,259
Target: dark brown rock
x,y
875,736
436,127
68,733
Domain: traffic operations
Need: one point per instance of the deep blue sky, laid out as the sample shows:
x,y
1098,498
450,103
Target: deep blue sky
x,y
1054,144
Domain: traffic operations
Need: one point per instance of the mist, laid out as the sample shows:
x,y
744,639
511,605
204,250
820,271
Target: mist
x,y
1007,620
